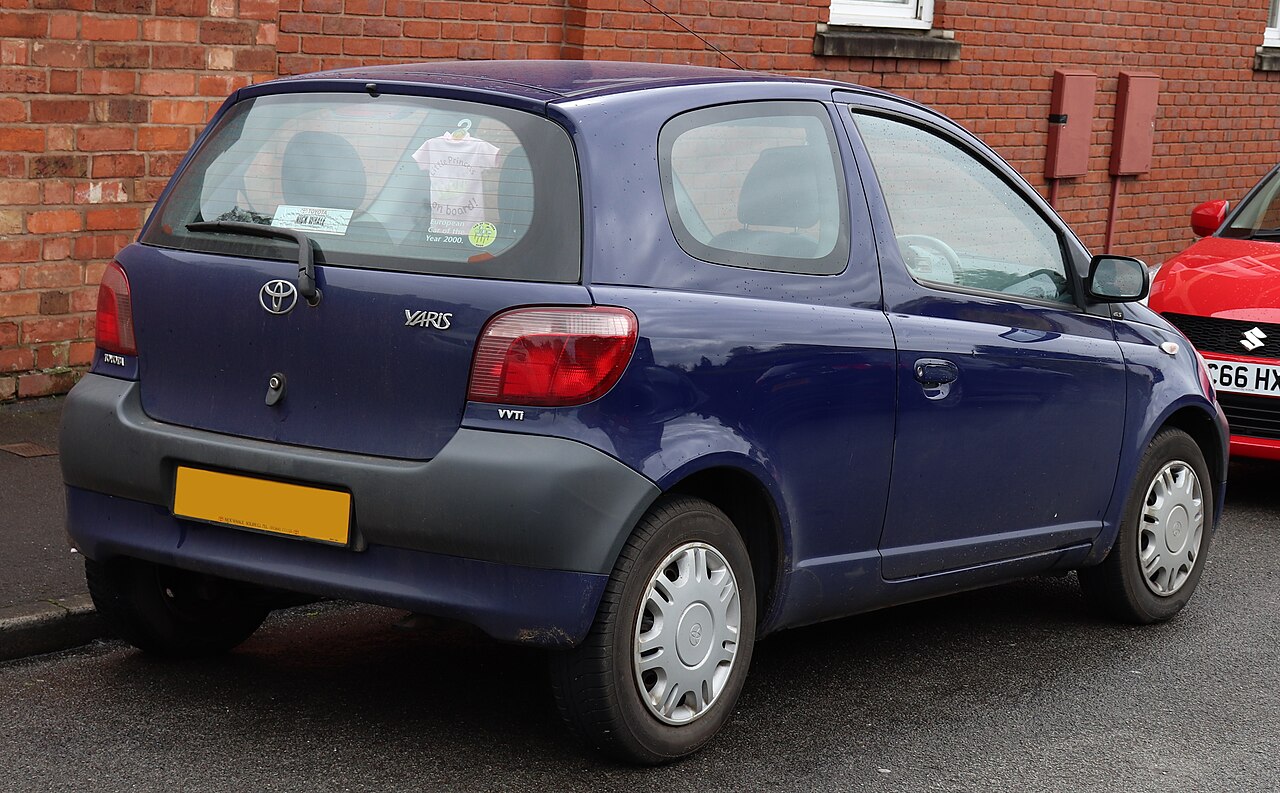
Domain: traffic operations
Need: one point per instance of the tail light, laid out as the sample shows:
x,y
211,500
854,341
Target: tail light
x,y
552,357
114,332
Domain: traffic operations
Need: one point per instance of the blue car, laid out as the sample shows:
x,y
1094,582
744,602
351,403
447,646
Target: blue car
x,y
636,363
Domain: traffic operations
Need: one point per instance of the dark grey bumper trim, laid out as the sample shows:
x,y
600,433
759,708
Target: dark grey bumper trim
x,y
501,497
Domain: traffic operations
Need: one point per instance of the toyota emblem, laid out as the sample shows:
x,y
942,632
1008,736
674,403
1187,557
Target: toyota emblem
x,y
279,296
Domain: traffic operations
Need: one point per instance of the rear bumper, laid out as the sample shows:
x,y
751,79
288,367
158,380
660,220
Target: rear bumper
x,y
514,533
508,602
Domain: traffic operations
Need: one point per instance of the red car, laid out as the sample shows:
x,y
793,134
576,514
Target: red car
x,y
1224,293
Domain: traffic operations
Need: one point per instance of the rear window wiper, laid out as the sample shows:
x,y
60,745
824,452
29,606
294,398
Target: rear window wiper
x,y
306,259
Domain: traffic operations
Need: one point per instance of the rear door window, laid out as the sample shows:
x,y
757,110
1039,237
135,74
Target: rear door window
x,y
388,182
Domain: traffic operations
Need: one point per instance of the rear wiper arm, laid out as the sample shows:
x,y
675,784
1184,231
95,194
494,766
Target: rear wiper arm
x,y
306,264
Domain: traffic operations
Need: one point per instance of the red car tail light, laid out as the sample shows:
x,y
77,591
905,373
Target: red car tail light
x,y
552,357
114,331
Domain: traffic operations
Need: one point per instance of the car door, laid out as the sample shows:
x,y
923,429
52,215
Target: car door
x,y
1010,394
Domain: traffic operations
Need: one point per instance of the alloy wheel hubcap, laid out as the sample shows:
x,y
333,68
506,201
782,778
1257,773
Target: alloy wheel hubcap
x,y
686,637
1171,528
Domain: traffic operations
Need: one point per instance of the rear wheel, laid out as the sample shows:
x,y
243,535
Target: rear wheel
x,y
172,612
1158,556
664,663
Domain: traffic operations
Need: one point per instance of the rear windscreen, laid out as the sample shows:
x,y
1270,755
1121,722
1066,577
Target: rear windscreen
x,y
387,182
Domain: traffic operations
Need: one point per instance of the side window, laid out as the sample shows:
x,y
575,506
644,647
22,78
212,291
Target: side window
x,y
757,185
957,222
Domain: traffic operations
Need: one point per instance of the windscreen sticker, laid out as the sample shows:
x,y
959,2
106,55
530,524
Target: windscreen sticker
x,y
319,220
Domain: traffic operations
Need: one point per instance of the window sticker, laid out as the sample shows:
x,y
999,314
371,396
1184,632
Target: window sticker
x,y
483,234
456,162
315,219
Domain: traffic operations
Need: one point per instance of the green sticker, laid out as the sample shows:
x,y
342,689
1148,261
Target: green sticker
x,y
483,234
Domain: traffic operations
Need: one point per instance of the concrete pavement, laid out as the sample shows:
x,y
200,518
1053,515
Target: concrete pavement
x,y
44,605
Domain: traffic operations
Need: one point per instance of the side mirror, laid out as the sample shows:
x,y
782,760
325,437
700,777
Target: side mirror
x,y
1206,218
1118,279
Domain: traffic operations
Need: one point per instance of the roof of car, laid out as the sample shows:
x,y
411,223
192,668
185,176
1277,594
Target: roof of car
x,y
552,79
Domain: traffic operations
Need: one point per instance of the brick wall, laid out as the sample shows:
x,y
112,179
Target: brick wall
x,y
100,98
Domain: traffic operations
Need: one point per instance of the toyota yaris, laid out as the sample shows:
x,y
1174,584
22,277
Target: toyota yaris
x,y
634,363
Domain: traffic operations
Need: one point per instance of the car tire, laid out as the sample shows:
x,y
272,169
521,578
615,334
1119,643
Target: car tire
x,y
1159,554
664,662
170,612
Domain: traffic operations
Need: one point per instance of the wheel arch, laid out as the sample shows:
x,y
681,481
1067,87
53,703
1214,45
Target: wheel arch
x,y
1199,423
746,500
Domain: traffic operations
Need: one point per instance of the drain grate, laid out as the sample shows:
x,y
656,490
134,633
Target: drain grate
x,y
25,449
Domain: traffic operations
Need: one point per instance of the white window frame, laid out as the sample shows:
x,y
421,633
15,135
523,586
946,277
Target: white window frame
x,y
1272,36
913,14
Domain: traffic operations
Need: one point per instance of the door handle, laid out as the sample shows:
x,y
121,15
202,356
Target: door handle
x,y
936,372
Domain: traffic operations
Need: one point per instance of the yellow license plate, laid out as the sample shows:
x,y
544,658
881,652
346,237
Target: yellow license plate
x,y
263,505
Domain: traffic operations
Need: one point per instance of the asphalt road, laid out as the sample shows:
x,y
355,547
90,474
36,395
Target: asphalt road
x,y
1010,689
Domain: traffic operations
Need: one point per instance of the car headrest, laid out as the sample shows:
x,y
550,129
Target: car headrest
x,y
781,189
321,169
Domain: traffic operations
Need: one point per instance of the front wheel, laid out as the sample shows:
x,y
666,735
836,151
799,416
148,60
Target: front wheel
x,y
665,660
1158,556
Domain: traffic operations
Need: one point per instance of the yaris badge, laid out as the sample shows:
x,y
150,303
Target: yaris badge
x,y
1252,339
278,296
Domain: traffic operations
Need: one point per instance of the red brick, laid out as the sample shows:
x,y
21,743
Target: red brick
x,y
219,86
56,249
8,334
52,276
23,81
119,111
164,138
105,192
113,29
266,10
37,331
10,280
24,26
177,56
255,60
54,221
16,360
181,8
226,32
104,219
64,26
108,165
163,165
21,139
8,388
170,30
127,56
80,353
42,384
49,165
167,84
19,304
105,139
134,7
17,193
63,82
19,250
178,112
65,55
94,81
63,110
12,110
52,356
